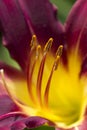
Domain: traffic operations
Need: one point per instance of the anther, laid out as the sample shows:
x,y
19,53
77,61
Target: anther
x,y
38,49
58,55
30,73
33,41
48,45
59,50
41,68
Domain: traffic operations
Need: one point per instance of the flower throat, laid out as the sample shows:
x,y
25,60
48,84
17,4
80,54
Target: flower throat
x,y
36,52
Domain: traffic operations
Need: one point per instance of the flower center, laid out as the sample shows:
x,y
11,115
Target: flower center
x,y
57,93
31,66
52,91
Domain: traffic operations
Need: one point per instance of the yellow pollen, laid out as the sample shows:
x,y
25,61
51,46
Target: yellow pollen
x,y
38,49
47,48
59,50
58,55
33,43
48,45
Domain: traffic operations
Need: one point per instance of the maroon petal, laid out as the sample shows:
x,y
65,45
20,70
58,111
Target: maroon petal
x,y
76,27
7,120
31,122
19,23
6,105
11,71
18,126
15,31
19,122
41,16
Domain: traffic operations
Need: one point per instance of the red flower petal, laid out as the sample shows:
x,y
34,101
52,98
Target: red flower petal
x,y
19,23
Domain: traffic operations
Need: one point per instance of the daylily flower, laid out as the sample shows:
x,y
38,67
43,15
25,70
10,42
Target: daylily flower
x,y
51,87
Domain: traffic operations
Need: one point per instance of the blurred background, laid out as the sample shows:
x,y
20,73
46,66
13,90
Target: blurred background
x,y
64,7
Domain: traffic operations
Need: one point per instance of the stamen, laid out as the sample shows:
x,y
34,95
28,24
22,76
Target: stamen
x,y
56,62
48,45
47,89
33,42
38,49
30,73
55,66
39,79
59,50
33,46
41,69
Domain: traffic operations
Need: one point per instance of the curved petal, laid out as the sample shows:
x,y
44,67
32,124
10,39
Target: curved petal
x,y
15,31
7,120
76,27
33,122
17,121
6,104
41,16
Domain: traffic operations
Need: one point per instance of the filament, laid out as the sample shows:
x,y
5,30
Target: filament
x,y
41,69
34,47
55,66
